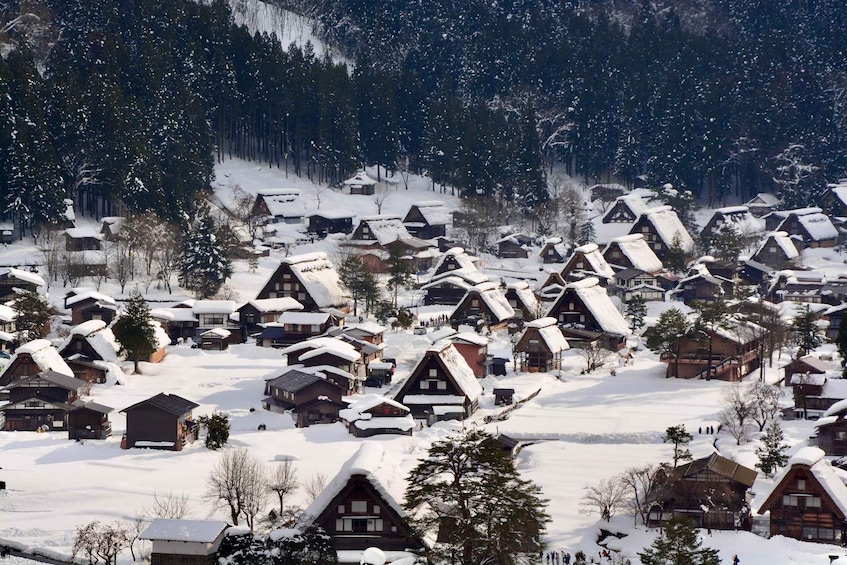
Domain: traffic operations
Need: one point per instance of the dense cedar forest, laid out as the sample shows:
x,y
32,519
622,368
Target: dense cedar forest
x,y
133,101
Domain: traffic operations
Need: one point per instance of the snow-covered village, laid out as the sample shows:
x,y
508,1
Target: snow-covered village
x,y
306,282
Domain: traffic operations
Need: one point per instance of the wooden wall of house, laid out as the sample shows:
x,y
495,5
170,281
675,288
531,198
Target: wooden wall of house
x,y
833,439
148,423
168,559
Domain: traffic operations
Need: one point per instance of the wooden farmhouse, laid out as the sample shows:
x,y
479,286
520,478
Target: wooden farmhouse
x,y
813,229
661,227
831,430
474,350
522,300
325,351
82,239
32,358
41,401
310,398
632,252
514,246
455,259
8,335
626,209
809,500
816,385
325,223
587,260
89,420
834,200
775,218
450,287
735,353
540,347
216,339
711,491
630,283
163,421
441,386
83,252
554,250
370,414
361,183
427,220
360,507
740,217
184,542
92,352
264,311
702,286
584,305
91,305
762,204
279,206
12,279
310,279
777,251
484,304
293,327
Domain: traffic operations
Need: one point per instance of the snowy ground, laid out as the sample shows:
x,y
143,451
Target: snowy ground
x,y
584,427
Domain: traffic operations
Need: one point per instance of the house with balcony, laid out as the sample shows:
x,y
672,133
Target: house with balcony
x,y
735,353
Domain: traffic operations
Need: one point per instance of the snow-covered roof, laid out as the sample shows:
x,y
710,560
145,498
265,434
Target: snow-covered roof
x,y
282,193
740,331
763,199
494,300
360,178
823,472
469,337
303,318
638,251
217,332
464,260
458,368
525,295
434,212
44,355
99,337
319,345
199,531
784,242
25,276
343,353
91,294
668,225
80,233
275,304
550,333
600,305
225,307
469,276
284,208
819,226
86,328
319,277
386,228
741,217
381,469
595,260
359,404
633,201
7,313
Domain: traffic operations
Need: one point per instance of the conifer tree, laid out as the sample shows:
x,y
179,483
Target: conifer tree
x,y
680,438
636,311
203,266
667,335
32,315
772,451
679,544
807,334
217,429
496,514
399,272
134,330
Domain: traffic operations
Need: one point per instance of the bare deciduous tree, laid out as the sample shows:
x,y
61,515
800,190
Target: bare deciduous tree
x,y
50,245
595,356
170,505
764,402
283,481
239,483
643,484
95,541
314,486
605,498
740,430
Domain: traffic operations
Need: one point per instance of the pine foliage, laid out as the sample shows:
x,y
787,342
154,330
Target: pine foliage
x,y
134,330
204,266
679,544
486,513
32,316
771,453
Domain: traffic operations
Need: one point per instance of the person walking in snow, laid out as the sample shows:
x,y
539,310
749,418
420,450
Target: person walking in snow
x,y
735,560
567,558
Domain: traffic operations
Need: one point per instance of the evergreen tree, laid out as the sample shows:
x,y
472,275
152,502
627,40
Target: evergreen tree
x,y
771,453
32,316
667,335
399,272
680,438
203,264
711,316
496,516
636,311
242,549
217,429
310,547
679,544
587,233
728,243
134,330
806,332
358,280
675,257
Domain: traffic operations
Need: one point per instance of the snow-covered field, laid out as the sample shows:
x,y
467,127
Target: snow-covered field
x,y
583,428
